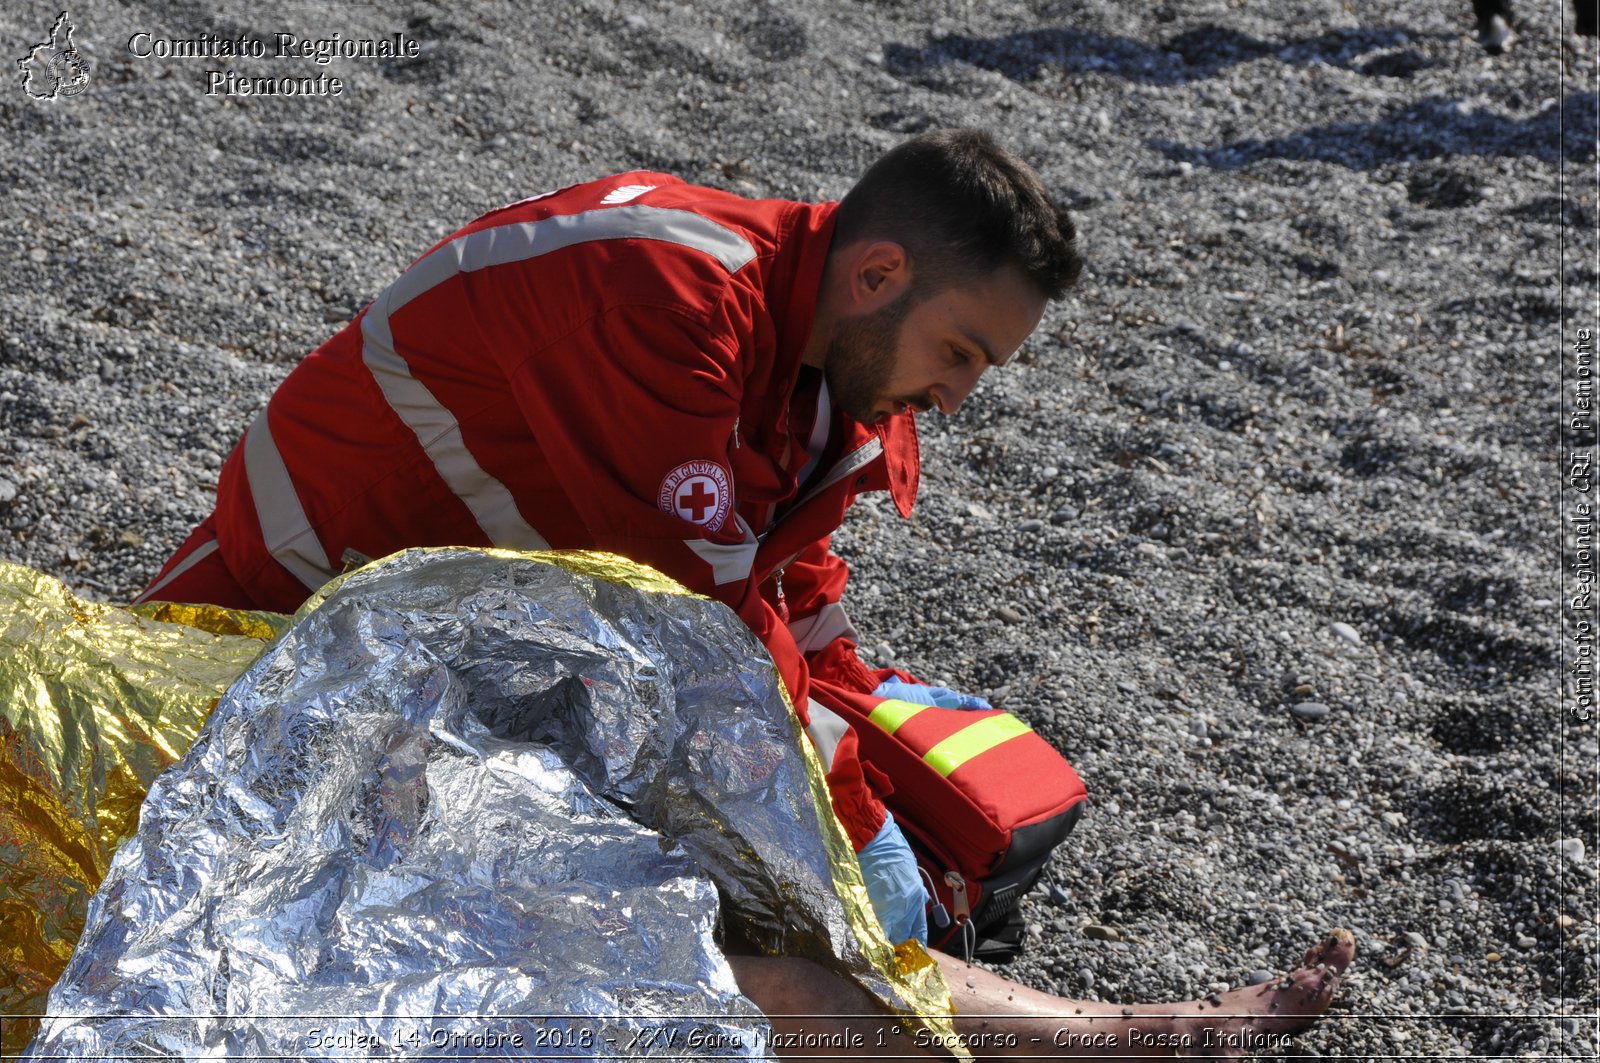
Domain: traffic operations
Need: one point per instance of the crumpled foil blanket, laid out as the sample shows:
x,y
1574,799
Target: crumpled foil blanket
x,y
478,803
95,701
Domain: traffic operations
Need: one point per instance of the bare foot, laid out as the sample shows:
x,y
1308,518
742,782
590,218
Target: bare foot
x,y
1261,1018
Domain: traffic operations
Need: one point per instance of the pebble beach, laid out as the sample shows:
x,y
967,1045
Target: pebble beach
x,y
1262,528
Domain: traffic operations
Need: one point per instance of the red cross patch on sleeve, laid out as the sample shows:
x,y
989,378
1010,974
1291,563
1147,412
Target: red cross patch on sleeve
x,y
697,491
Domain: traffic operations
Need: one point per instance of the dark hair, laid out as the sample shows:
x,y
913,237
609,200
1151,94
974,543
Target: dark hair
x,y
963,207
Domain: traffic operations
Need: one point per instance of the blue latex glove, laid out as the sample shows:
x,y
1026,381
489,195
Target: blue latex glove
x,y
938,697
895,885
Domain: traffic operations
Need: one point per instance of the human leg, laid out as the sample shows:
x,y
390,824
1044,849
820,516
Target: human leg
x,y
814,1011
1000,1019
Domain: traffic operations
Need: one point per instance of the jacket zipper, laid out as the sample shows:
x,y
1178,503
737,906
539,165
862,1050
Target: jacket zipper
x,y
833,476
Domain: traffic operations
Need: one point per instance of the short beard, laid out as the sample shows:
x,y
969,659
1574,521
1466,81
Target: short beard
x,y
860,357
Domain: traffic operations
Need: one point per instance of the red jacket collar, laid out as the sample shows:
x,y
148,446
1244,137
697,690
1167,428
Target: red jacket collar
x,y
902,459
795,285
800,275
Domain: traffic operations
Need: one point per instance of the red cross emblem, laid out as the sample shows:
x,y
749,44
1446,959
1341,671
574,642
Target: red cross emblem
x,y
698,492
693,503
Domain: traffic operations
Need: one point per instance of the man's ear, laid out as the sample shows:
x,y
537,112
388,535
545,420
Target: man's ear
x,y
881,275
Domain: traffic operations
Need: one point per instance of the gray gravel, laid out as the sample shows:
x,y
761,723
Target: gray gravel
x,y
1292,442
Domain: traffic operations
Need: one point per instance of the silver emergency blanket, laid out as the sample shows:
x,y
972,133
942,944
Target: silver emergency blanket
x,y
475,803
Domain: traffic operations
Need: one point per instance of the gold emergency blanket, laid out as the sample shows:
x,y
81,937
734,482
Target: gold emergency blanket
x,y
95,702
476,803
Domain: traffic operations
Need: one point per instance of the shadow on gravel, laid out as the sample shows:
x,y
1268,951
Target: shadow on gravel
x,y
1484,805
1191,56
1432,128
1479,654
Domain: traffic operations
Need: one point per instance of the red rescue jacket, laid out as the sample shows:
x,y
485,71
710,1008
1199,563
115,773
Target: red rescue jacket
x,y
607,366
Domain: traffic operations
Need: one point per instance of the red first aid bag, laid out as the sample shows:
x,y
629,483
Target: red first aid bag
x,y
982,798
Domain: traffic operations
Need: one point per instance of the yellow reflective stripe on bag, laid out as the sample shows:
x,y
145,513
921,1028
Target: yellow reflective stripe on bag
x,y
968,742
979,737
890,714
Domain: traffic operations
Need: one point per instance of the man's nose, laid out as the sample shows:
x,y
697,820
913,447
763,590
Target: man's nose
x,y
950,393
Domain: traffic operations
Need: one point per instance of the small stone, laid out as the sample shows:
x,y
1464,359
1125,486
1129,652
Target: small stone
x,y
1097,932
1064,515
1564,921
1309,710
1197,727
8,490
1346,632
1259,976
979,511
129,537
1415,940
1085,977
1572,849
1493,957
1028,527
1526,942
38,254
1009,615
1059,896
883,653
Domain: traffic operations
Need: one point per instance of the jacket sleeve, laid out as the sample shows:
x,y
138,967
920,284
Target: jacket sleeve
x,y
814,586
617,429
